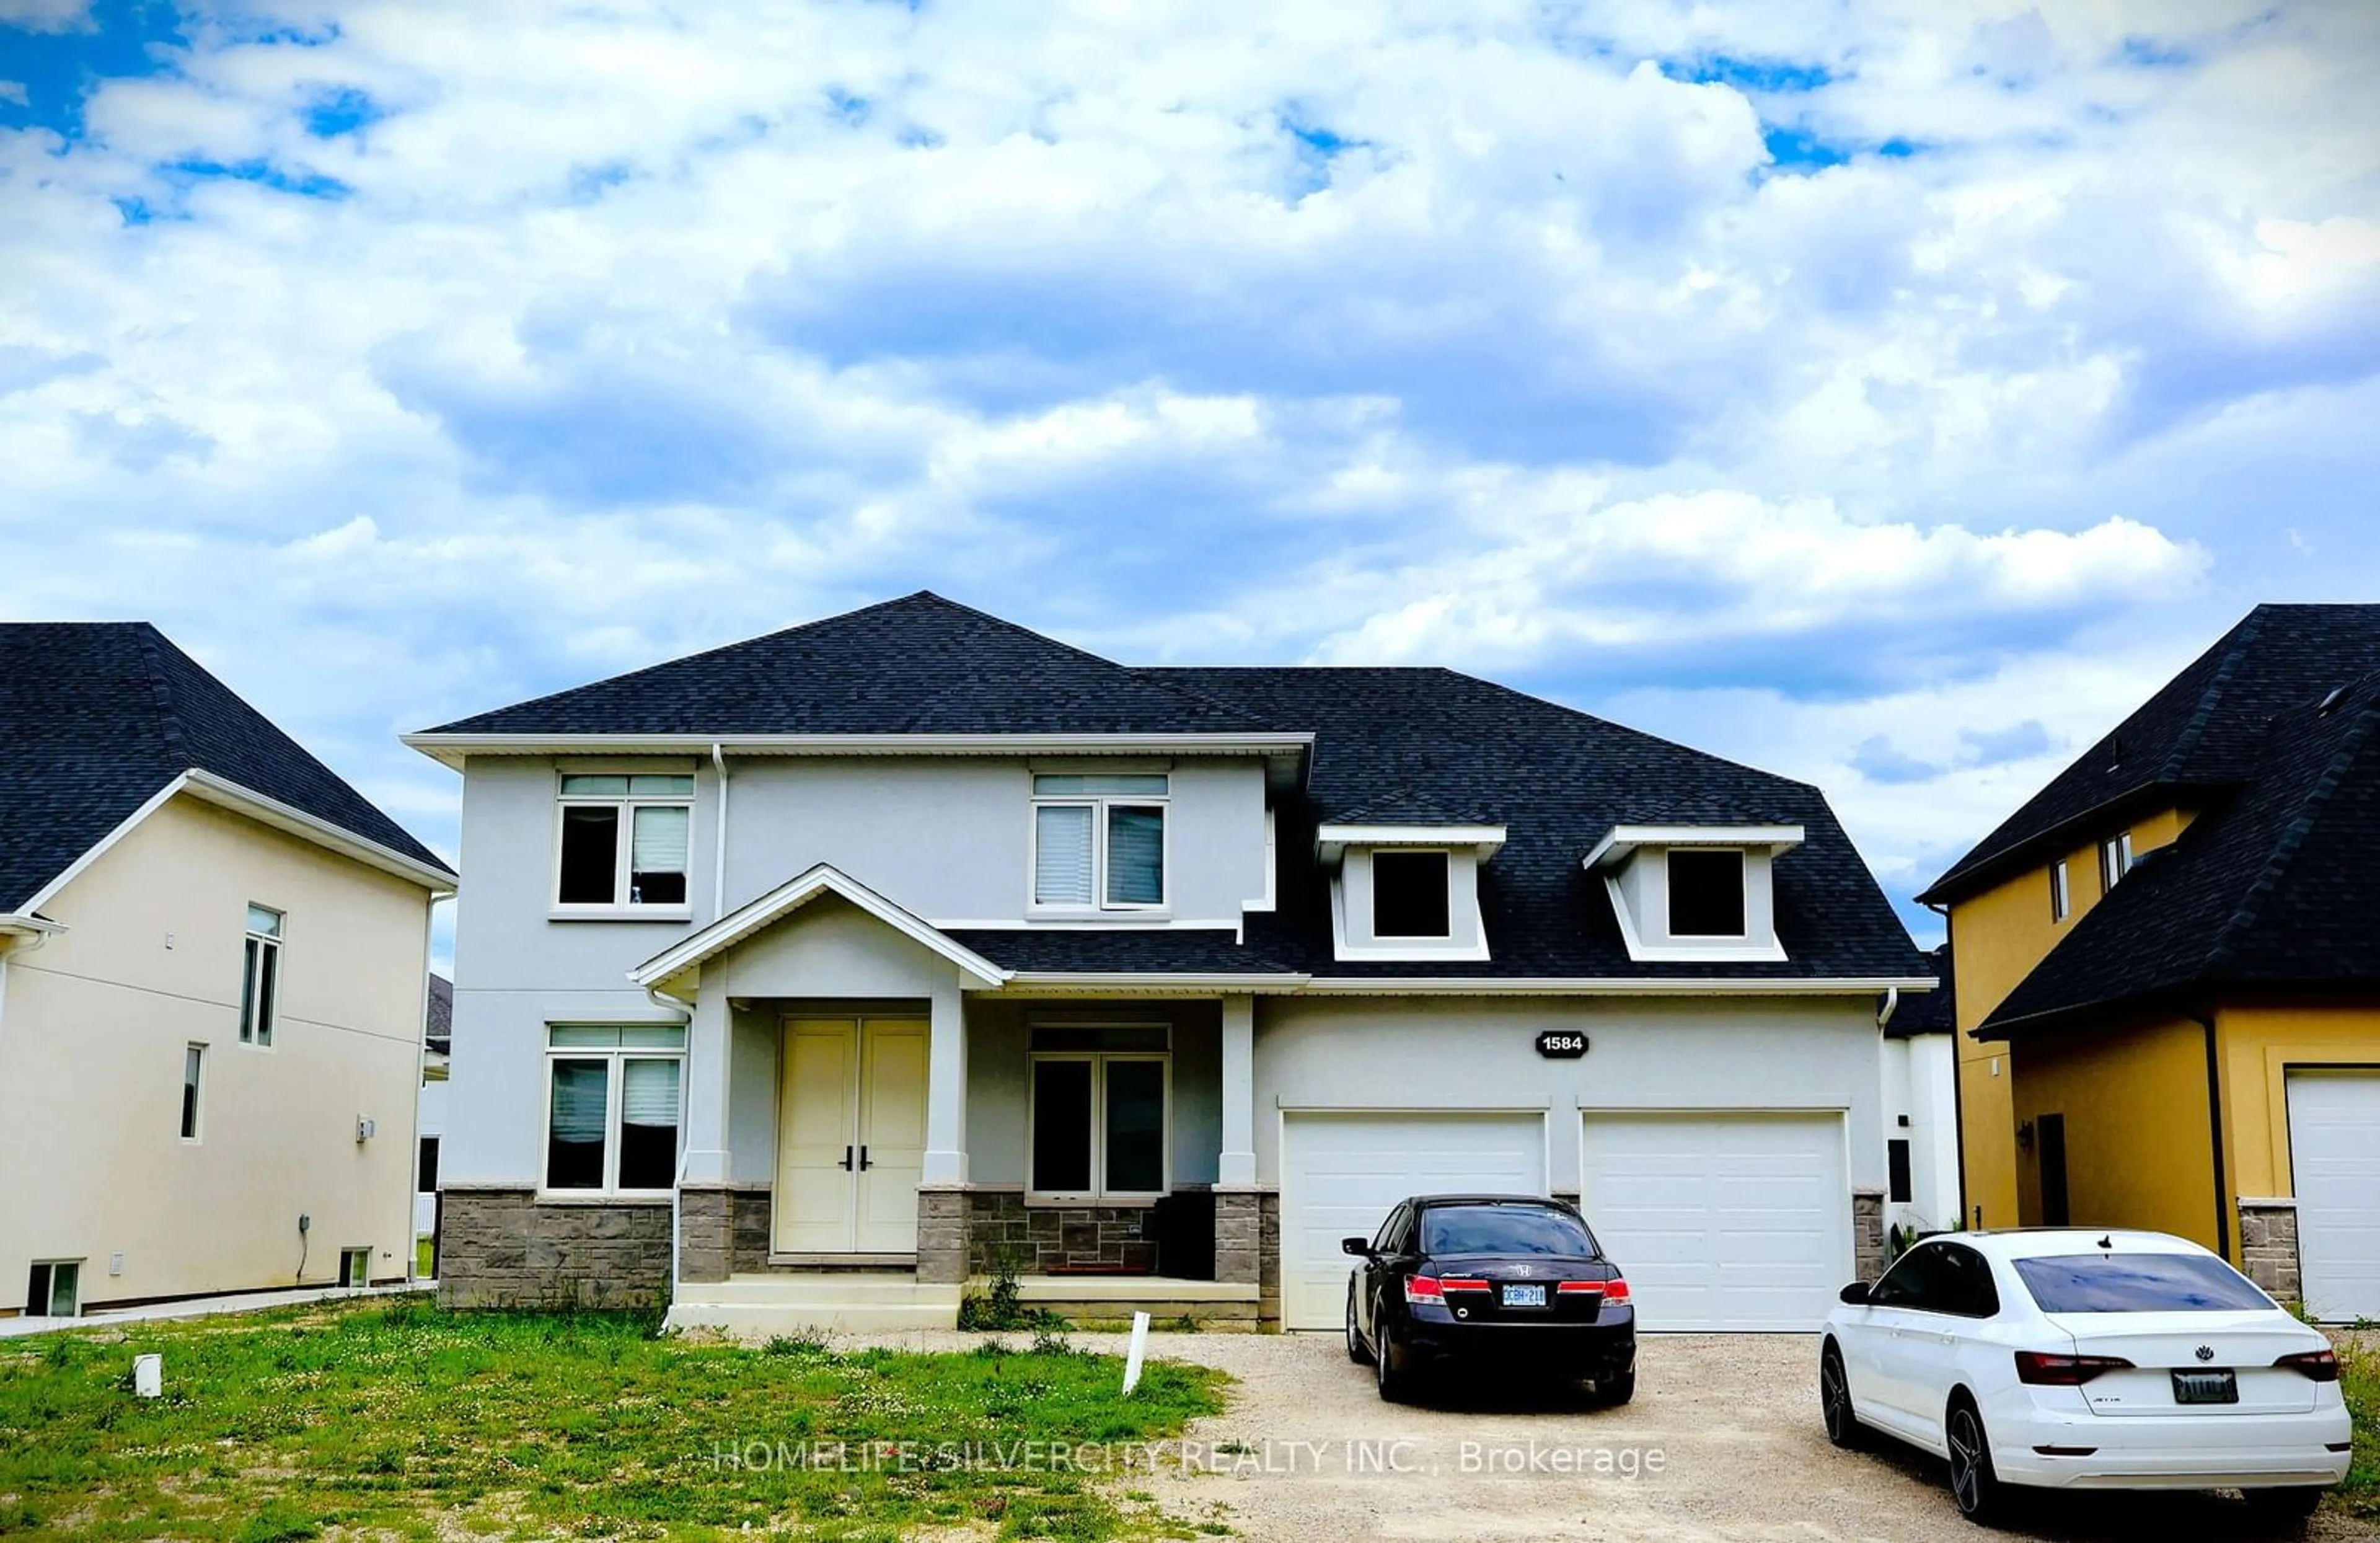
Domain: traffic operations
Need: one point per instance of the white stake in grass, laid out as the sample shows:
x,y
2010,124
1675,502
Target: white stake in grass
x,y
149,1376
1132,1356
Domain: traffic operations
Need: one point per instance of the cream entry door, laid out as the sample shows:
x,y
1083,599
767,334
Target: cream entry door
x,y
851,1143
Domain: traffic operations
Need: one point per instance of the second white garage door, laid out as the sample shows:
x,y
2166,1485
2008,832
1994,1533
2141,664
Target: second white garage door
x,y
2335,1161
1342,1173
1721,1221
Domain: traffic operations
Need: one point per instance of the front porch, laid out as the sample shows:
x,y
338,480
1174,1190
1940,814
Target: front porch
x,y
872,1122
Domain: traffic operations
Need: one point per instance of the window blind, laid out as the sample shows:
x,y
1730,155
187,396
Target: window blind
x,y
1061,856
649,1093
1136,857
580,1090
659,846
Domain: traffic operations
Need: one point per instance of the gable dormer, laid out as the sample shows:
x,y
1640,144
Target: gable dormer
x,y
1405,882
1687,893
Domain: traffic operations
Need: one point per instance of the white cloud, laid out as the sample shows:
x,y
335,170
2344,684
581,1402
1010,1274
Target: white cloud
x,y
46,16
1225,331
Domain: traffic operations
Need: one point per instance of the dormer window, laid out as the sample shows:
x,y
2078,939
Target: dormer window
x,y
1706,893
1406,891
1698,893
1410,894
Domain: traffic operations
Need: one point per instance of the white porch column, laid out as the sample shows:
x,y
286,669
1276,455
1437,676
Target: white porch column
x,y
1237,1165
707,1053
946,1077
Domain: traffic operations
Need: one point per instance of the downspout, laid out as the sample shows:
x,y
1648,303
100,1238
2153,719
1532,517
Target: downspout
x,y
1891,1005
2215,1130
719,856
420,1068
659,998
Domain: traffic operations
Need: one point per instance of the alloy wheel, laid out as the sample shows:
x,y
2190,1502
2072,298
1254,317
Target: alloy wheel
x,y
1966,1442
1835,1399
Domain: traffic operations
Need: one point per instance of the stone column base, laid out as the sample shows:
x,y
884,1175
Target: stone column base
x,y
1239,1218
2268,1247
1867,1233
705,1226
1268,1261
941,1236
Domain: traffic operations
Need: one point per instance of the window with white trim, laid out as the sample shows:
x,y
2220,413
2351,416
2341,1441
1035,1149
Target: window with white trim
x,y
1707,893
194,1071
2114,860
1098,842
1410,895
55,1289
2061,891
1100,1119
623,840
614,1101
261,977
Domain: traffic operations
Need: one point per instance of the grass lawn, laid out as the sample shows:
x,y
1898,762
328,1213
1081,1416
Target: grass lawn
x,y
400,1421
2358,1364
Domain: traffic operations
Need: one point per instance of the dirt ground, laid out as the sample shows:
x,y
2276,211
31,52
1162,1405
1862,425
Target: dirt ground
x,y
1722,1445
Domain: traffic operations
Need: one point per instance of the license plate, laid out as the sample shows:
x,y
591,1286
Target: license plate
x,y
2206,1387
1524,1297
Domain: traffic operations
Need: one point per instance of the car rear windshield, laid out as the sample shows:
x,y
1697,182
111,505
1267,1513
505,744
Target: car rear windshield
x,y
2137,1283
1503,1230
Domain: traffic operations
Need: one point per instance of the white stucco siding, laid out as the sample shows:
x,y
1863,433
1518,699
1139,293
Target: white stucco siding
x,y
1479,1052
91,1056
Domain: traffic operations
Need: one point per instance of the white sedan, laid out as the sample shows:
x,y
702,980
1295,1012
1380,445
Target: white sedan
x,y
2072,1359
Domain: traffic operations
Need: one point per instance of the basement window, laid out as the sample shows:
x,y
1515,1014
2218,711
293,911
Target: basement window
x,y
1409,895
55,1289
1706,893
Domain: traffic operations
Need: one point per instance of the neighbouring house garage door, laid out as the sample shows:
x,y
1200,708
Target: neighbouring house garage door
x,y
1721,1221
2335,1163
1340,1173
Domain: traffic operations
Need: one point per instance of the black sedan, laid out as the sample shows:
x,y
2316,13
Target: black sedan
x,y
1503,1282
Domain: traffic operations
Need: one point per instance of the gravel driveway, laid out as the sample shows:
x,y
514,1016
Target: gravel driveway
x,y
1723,1443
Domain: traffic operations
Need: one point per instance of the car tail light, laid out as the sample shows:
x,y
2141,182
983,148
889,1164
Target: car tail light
x,y
1423,1288
1579,1288
1458,1283
2064,1371
1615,1290
2315,1365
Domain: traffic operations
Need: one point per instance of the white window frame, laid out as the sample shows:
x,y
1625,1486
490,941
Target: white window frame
x,y
198,1131
613,1110
1099,804
1669,899
43,1309
257,1032
2114,860
2061,891
1412,939
1099,1193
624,847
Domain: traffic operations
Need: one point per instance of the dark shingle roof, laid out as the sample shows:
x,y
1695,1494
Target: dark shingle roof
x,y
921,664
1933,1012
2200,731
440,1033
1140,951
1557,780
2270,886
98,716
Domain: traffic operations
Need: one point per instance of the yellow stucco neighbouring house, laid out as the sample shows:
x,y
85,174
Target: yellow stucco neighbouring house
x,y
213,963
2169,969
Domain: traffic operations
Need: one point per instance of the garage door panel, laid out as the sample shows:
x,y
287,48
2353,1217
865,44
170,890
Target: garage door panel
x,y
2335,1166
1341,1173
1721,1221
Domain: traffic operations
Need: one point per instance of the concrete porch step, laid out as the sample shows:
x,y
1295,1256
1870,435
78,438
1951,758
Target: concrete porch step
x,y
846,1301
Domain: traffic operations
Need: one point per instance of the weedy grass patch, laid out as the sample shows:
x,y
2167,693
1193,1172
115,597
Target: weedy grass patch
x,y
2359,1378
406,1422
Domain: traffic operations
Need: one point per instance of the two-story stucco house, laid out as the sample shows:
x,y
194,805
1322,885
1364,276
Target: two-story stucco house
x,y
212,965
800,981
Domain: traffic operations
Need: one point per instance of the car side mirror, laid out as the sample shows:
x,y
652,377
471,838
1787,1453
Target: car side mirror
x,y
1359,1246
1855,1293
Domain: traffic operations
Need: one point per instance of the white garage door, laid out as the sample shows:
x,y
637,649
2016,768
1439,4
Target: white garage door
x,y
1721,1221
2335,1159
1340,1173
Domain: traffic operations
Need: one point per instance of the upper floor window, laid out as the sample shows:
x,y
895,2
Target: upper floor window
x,y
261,977
1098,842
2115,859
194,1071
1410,894
2061,891
1706,893
623,839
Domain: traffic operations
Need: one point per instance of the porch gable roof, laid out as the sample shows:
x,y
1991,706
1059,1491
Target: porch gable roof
x,y
757,915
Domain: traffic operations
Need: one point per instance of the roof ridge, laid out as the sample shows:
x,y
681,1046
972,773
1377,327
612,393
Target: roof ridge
x,y
2244,916
2235,645
161,690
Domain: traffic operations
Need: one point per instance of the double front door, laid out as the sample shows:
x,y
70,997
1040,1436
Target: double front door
x,y
851,1138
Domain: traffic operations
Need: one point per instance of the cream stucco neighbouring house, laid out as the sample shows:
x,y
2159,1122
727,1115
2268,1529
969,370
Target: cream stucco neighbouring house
x,y
211,1012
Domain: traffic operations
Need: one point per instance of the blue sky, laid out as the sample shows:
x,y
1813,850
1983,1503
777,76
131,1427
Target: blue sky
x,y
1888,395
